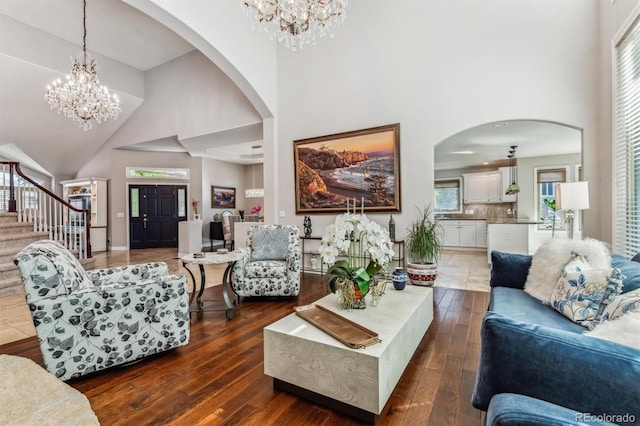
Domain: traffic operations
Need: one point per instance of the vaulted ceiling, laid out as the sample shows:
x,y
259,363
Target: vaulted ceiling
x,y
39,37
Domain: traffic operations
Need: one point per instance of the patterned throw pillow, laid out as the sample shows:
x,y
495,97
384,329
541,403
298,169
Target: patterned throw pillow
x,y
269,243
576,264
581,296
621,304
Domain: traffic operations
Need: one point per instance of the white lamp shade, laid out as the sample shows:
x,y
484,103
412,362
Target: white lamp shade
x,y
572,196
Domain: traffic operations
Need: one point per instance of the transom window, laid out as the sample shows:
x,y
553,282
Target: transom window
x,y
157,172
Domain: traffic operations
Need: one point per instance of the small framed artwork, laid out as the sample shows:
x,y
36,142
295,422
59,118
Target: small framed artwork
x,y
359,170
223,197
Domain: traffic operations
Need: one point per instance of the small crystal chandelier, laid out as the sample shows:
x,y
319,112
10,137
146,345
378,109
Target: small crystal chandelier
x,y
254,192
82,97
296,22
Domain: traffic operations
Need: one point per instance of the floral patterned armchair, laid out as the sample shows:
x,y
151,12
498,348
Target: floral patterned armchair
x,y
87,321
270,264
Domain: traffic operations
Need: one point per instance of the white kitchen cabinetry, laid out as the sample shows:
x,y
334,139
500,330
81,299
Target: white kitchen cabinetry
x,y
482,187
481,233
505,181
459,233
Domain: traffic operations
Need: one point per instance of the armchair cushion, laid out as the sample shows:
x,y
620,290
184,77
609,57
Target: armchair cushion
x,y
269,243
266,269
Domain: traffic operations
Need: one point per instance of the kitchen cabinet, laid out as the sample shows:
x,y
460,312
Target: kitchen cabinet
x,y
481,233
459,233
482,187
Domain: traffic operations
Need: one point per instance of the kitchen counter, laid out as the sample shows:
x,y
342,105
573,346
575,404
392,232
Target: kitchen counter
x,y
503,220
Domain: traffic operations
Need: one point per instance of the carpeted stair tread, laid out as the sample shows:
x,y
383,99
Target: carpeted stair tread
x,y
10,287
25,235
15,227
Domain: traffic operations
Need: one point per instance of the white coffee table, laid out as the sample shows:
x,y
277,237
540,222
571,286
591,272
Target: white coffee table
x,y
308,362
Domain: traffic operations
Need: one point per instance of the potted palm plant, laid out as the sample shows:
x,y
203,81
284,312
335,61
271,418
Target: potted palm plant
x,y
424,243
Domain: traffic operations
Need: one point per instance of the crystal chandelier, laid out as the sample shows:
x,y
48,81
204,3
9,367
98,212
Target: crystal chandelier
x,y
296,22
254,192
82,97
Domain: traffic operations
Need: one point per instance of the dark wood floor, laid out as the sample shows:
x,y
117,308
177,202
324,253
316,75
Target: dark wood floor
x,y
218,377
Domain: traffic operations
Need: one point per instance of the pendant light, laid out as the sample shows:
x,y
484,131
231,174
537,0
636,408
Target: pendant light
x,y
254,192
513,188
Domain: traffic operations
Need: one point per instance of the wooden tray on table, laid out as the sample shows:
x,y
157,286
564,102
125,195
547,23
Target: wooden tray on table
x,y
348,332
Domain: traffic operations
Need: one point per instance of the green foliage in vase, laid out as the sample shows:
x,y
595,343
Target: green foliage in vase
x,y
424,241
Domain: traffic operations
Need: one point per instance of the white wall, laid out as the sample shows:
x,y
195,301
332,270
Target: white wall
x,y
437,67
188,96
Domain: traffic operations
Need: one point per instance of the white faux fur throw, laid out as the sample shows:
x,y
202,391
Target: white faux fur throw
x,y
624,330
553,255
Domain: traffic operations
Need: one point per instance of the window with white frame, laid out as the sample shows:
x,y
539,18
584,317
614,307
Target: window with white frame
x,y
627,142
447,195
157,172
546,181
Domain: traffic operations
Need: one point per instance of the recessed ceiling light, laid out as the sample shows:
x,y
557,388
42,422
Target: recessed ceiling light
x,y
501,124
462,152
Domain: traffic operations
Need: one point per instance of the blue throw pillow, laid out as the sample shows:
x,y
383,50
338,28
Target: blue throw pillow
x,y
630,270
509,269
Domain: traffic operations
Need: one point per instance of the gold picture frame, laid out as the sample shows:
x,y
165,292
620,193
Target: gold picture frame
x,y
359,168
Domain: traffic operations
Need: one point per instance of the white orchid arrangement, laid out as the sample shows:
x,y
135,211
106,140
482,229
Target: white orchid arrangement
x,y
359,239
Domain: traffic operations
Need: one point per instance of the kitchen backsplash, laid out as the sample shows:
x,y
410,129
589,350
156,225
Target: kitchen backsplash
x,y
486,211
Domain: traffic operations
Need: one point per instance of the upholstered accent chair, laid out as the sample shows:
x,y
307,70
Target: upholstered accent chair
x,y
87,321
227,229
270,264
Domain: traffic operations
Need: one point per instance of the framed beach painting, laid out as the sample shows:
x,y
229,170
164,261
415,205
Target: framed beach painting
x,y
223,197
359,170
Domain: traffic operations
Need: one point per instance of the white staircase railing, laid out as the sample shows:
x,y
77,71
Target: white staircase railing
x,y
48,212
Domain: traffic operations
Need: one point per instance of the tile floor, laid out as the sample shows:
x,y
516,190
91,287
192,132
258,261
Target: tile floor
x,y
466,270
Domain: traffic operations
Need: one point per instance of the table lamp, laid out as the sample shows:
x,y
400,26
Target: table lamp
x,y
570,197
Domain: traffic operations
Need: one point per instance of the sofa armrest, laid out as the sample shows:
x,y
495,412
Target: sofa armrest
x,y
508,409
509,269
237,273
566,368
128,273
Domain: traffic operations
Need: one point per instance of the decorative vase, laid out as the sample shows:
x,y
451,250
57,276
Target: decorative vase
x,y
241,214
351,297
196,216
422,274
392,228
314,262
399,278
307,226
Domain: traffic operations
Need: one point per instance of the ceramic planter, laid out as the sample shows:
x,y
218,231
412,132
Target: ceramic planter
x,y
422,274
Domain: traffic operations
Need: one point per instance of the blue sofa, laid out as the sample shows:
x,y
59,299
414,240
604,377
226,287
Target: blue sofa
x,y
531,350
